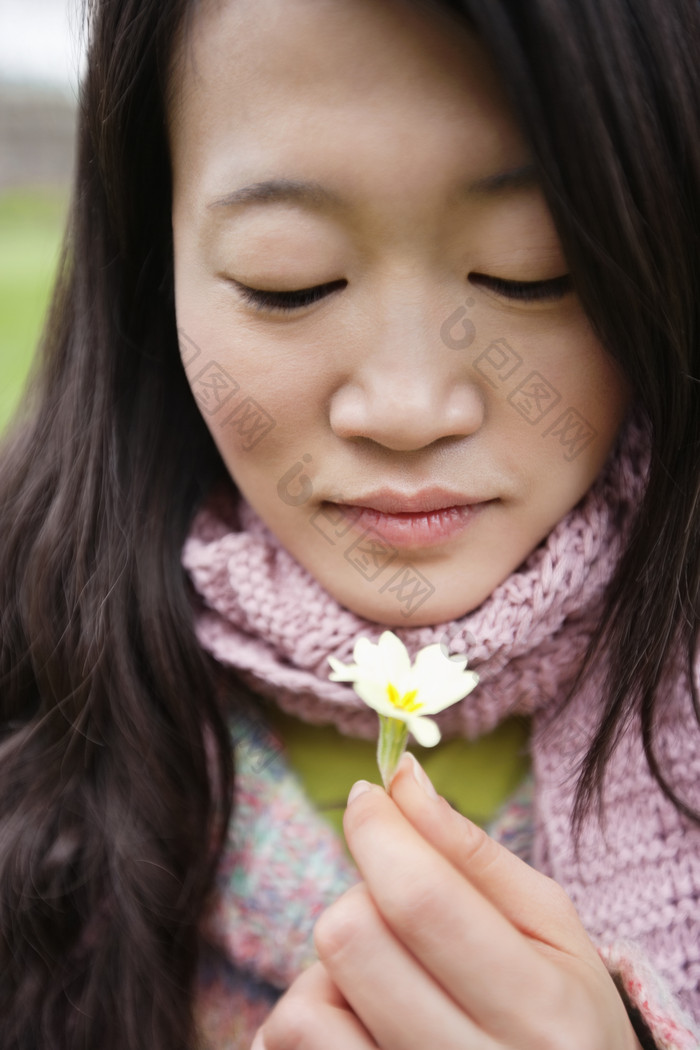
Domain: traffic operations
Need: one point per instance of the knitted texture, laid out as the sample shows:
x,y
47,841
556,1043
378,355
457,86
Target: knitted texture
x,y
282,866
637,877
280,869
660,1020
668,1027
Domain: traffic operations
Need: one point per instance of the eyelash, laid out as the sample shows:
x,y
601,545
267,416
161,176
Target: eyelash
x,y
521,291
263,300
526,291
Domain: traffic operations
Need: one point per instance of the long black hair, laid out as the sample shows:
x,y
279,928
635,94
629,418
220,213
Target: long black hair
x,y
108,827
112,730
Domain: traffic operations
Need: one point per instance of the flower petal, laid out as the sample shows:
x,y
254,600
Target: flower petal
x,y
342,672
394,656
425,731
439,696
433,659
440,681
370,662
365,652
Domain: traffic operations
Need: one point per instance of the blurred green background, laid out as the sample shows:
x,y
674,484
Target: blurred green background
x,y
31,228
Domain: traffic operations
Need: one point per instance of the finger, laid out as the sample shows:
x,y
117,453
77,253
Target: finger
x,y
313,1015
537,905
400,1004
473,951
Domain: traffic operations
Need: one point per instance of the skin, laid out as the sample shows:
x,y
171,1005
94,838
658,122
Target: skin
x,y
371,386
383,384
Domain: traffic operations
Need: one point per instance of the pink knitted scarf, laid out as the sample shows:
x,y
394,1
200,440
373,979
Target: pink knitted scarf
x,y
265,615
635,878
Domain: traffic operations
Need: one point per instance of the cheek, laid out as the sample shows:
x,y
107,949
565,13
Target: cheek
x,y
262,418
590,381
556,397
271,364
261,395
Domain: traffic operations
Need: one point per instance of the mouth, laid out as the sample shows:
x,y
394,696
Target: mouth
x,y
411,520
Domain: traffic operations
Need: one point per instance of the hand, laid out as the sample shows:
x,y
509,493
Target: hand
x,y
451,942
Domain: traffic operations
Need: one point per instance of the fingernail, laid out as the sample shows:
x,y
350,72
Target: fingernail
x,y
420,776
358,788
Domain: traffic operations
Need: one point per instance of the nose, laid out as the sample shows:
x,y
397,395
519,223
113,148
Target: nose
x,y
404,387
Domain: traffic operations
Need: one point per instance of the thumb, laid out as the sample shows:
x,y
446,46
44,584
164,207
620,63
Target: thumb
x,y
532,902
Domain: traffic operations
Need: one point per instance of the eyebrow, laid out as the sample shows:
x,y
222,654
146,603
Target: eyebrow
x,y
317,197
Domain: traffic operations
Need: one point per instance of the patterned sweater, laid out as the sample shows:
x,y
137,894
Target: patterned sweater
x,y
283,865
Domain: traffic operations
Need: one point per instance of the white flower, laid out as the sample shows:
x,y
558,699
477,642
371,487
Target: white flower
x,y
382,675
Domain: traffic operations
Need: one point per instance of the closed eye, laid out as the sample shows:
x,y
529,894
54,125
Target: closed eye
x,y
525,291
285,301
521,291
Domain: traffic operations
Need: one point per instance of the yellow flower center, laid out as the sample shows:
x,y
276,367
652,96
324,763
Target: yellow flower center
x,y
406,703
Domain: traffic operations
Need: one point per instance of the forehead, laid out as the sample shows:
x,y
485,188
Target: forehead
x,y
290,87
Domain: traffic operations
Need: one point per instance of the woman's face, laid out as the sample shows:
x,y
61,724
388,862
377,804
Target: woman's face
x,y
417,421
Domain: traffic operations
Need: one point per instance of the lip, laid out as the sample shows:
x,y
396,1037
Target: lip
x,y
425,501
422,519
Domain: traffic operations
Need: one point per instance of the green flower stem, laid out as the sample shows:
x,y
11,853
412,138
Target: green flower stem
x,y
393,734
